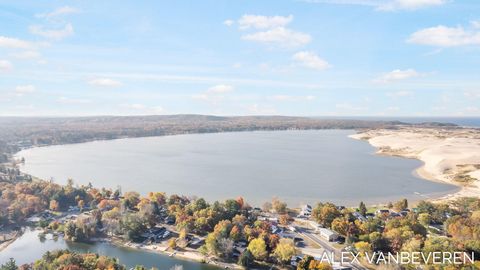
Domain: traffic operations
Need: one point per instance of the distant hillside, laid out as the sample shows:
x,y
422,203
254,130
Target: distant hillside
x,y
19,132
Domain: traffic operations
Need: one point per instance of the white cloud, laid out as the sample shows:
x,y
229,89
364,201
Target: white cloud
x,y
385,5
141,109
472,94
443,36
475,24
14,43
292,98
472,109
409,4
348,108
263,22
310,60
214,94
219,89
402,93
105,82
228,22
59,12
266,67
135,106
261,109
396,75
56,34
272,30
21,90
5,65
393,108
280,36
66,100
27,55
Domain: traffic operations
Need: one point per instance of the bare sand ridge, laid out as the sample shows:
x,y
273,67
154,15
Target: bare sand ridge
x,y
449,155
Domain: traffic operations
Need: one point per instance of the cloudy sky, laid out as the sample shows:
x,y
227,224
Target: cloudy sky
x,y
310,57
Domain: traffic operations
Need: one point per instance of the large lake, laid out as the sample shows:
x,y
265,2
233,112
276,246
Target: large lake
x,y
296,166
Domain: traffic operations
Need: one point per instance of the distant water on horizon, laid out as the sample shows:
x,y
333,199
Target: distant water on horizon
x,y
460,121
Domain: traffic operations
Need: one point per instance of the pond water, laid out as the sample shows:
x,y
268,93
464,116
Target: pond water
x,y
29,247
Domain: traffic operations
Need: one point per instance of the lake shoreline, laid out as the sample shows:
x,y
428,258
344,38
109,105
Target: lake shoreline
x,y
5,244
444,154
417,196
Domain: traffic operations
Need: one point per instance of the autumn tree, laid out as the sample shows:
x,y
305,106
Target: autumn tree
x,y
54,205
278,206
424,219
401,205
258,248
325,213
285,250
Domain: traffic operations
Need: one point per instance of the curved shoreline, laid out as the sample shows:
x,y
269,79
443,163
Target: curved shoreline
x,y
437,152
371,197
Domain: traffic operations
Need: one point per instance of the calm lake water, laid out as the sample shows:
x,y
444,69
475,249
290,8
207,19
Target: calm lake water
x,y
296,166
29,248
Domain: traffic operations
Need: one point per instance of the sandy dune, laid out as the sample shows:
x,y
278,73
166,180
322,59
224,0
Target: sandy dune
x,y
449,155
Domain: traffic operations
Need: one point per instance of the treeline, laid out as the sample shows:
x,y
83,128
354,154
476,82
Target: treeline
x,y
23,199
68,260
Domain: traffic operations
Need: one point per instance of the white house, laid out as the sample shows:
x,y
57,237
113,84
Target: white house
x,y
328,234
306,210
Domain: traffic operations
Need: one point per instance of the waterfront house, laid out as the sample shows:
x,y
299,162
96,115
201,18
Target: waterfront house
x,y
306,211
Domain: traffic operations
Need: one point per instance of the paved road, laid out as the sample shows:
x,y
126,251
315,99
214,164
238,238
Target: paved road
x,y
326,246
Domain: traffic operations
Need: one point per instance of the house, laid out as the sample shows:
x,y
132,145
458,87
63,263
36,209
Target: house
x,y
276,229
241,243
395,214
34,219
306,210
328,234
170,220
382,212
155,234
359,216
341,267
273,219
73,209
295,260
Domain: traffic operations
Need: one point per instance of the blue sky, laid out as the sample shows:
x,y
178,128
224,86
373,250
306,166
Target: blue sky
x,y
312,57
